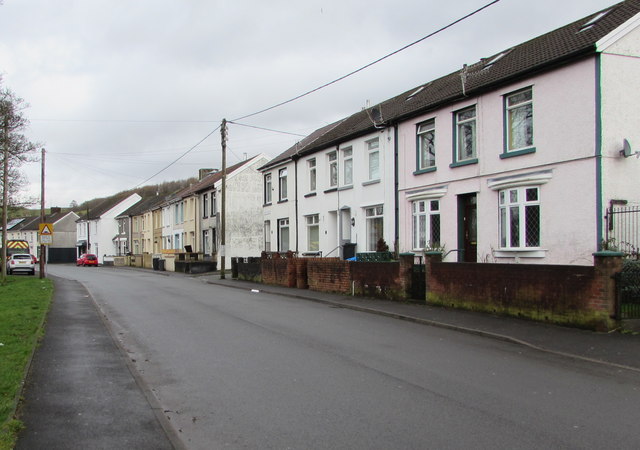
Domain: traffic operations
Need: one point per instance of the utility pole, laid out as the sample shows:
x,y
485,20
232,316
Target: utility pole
x,y
5,196
223,132
43,251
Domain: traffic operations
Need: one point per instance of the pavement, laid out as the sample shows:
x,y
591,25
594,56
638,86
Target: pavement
x,y
81,380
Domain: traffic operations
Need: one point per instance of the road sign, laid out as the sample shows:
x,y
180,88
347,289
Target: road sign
x,y
46,239
46,229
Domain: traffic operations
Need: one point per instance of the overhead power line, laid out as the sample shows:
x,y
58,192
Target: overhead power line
x,y
366,66
370,64
265,129
178,158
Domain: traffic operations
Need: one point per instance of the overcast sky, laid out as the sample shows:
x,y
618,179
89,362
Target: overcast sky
x,y
118,89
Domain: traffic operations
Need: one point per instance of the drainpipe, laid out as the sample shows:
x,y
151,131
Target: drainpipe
x,y
295,182
396,210
598,142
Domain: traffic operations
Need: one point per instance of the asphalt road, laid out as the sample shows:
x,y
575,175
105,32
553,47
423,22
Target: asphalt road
x,y
237,369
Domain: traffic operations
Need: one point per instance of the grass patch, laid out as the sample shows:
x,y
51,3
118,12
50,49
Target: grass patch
x,y
24,302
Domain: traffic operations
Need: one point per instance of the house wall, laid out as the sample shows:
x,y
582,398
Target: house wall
x,y
563,123
107,227
277,209
620,83
244,222
342,211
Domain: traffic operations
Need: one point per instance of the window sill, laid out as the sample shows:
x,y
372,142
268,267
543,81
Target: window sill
x,y
467,162
267,204
427,170
283,201
521,253
370,182
331,190
345,188
310,194
512,154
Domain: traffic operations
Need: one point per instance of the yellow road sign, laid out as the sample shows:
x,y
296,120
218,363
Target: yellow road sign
x,y
46,229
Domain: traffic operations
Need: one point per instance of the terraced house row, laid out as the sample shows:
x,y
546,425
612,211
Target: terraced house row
x,y
514,158
519,157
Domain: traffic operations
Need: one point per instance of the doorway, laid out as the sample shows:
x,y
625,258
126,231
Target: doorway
x,y
468,228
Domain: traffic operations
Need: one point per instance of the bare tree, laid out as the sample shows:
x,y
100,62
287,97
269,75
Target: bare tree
x,y
17,149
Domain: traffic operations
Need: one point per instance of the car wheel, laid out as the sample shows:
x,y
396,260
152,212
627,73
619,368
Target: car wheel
x,y
33,272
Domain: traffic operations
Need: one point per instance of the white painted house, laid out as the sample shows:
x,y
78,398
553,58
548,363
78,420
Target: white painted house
x,y
97,229
243,227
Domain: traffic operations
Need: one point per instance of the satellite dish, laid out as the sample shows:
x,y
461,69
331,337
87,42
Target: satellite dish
x,y
626,150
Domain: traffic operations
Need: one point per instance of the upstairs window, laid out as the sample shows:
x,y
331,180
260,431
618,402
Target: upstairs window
x,y
333,169
519,120
311,164
465,136
347,166
374,159
426,134
282,183
267,189
205,205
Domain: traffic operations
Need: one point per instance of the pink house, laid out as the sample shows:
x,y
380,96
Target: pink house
x,y
516,158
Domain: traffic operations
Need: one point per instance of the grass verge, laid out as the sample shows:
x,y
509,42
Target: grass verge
x,y
24,302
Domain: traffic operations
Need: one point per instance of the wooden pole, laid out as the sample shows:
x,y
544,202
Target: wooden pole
x,y
43,250
5,196
223,211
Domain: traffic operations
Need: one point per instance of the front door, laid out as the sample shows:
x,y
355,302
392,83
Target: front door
x,y
468,228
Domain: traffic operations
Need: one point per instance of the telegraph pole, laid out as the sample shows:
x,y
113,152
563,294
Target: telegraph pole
x,y
223,132
43,250
5,195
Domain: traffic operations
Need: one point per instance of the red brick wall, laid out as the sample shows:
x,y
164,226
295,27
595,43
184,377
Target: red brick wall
x,y
280,272
576,295
329,275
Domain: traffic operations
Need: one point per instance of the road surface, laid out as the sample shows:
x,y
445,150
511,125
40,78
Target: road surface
x,y
239,369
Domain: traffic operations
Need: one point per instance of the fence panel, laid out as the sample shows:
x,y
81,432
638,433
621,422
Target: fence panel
x,y
623,230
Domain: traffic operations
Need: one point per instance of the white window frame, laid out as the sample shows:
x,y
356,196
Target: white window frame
x,y
268,188
205,205
426,144
214,204
313,180
518,114
516,209
374,215
347,166
463,126
425,224
332,163
267,235
283,224
373,158
282,185
313,226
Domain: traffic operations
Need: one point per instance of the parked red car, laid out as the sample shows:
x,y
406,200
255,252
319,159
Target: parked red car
x,y
87,259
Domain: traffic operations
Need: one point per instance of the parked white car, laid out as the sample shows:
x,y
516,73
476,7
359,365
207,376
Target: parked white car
x,y
21,262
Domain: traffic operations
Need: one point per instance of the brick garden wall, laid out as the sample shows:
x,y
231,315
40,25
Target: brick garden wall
x,y
572,295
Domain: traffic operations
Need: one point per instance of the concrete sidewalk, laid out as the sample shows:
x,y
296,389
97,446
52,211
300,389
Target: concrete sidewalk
x,y
614,348
80,393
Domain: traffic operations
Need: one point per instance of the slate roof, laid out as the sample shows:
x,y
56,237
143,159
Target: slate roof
x,y
33,223
142,206
101,208
542,53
